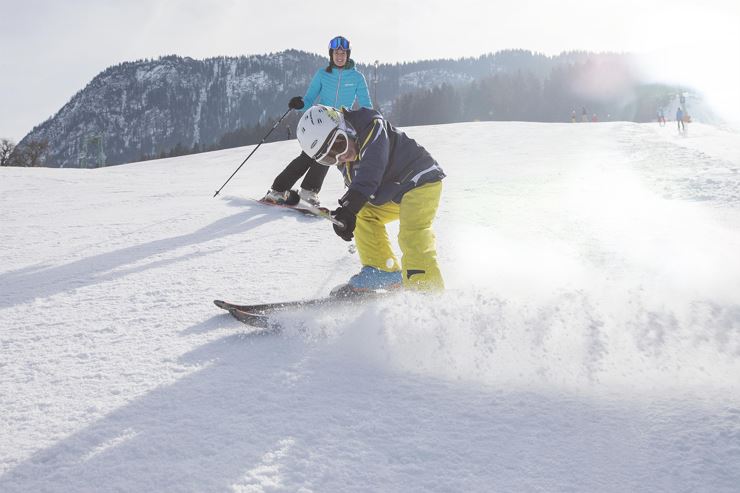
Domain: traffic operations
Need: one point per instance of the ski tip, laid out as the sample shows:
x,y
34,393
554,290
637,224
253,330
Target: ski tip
x,y
259,320
220,303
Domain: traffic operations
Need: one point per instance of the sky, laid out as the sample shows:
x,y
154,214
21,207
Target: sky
x,y
51,50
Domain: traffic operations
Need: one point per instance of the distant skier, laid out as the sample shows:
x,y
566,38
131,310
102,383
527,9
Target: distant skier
x,y
573,116
584,114
679,120
337,85
661,118
389,177
594,118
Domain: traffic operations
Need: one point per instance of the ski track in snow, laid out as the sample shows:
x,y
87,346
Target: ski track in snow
x,y
589,339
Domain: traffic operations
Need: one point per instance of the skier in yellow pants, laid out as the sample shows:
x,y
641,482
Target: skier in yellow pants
x,y
416,238
389,177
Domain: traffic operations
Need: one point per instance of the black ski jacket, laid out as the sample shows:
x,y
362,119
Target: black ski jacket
x,y
389,163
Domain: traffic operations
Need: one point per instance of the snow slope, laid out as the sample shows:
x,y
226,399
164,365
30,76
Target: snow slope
x,y
589,339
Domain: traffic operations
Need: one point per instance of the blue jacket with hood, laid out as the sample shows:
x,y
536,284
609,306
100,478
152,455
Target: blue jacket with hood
x,y
338,88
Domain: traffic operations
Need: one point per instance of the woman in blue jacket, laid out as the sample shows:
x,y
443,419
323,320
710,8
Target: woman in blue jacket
x,y
337,85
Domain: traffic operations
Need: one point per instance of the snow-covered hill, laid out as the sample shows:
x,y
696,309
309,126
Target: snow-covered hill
x,y
589,339
149,107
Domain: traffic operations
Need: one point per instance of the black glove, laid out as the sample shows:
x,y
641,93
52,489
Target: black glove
x,y
348,219
296,103
350,204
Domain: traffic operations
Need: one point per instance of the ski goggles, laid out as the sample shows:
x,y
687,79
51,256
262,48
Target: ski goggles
x,y
336,145
339,42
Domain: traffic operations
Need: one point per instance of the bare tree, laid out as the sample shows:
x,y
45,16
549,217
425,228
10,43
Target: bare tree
x,y
6,149
34,153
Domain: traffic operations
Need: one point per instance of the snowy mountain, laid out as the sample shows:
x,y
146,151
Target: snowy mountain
x,y
146,108
589,339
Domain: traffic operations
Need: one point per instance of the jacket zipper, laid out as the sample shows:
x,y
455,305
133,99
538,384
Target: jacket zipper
x,y
339,83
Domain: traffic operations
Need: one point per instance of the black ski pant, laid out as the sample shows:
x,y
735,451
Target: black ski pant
x,y
289,176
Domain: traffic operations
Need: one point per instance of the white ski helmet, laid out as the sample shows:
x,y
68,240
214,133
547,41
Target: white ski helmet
x,y
318,126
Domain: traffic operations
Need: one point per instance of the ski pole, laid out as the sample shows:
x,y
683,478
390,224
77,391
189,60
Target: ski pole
x,y
253,150
323,213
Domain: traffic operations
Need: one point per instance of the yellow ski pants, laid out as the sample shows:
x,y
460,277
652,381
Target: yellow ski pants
x,y
416,212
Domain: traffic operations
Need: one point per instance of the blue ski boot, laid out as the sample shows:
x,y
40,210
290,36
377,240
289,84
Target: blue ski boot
x,y
369,280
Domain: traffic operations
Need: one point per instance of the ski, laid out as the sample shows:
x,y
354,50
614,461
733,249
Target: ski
x,y
344,296
258,315
304,208
253,319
